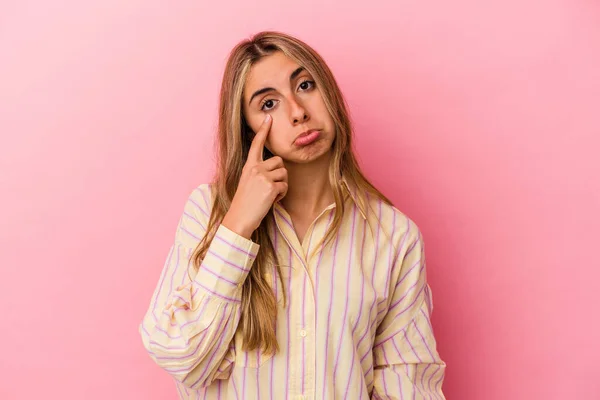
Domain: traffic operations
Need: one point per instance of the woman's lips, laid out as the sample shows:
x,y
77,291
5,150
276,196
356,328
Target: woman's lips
x,y
308,139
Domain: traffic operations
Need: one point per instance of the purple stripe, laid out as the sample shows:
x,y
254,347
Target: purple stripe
x,y
362,295
162,280
329,312
423,377
317,275
407,273
396,256
218,294
390,254
183,299
412,246
284,218
198,206
372,279
275,241
190,216
400,314
219,277
190,233
400,355
399,384
289,332
193,352
203,193
244,374
233,246
424,341
383,372
174,273
232,378
216,349
226,261
200,314
411,347
257,376
303,324
348,274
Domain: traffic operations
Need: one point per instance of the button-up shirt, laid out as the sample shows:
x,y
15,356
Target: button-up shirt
x,y
356,324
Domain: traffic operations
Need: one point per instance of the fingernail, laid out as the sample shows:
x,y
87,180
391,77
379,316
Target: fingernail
x,y
268,118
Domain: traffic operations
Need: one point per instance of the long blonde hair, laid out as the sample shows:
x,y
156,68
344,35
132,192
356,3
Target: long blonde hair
x,y
259,305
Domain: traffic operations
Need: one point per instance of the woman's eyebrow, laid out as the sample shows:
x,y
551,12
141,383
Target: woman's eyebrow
x,y
293,75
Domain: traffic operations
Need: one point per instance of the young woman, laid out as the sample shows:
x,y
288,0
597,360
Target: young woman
x,y
291,276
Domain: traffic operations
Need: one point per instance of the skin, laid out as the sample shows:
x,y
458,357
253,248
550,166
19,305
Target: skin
x,y
295,106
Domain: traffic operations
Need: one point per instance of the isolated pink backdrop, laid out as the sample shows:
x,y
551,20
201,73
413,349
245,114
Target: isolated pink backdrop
x,y
480,120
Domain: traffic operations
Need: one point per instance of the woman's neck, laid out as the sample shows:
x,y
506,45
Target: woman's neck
x,y
309,190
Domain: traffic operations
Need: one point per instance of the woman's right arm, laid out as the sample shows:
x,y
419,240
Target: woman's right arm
x,y
190,323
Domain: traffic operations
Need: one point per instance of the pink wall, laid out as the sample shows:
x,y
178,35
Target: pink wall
x,y
479,119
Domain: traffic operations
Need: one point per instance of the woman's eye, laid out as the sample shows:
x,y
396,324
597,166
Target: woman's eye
x,y
306,85
268,105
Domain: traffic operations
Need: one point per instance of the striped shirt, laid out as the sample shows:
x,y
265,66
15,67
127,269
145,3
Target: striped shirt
x,y
356,324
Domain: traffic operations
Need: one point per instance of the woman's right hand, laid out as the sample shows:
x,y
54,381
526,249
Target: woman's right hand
x,y
262,183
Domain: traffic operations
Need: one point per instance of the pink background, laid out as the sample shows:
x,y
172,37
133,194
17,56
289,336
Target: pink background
x,y
478,119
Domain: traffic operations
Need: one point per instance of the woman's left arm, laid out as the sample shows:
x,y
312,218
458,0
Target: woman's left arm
x,y
406,362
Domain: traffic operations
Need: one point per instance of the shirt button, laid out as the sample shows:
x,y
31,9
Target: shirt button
x,y
303,333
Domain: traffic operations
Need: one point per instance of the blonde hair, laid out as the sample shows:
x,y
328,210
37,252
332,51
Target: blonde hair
x,y
259,305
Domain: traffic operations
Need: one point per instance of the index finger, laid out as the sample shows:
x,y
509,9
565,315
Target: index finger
x,y
258,143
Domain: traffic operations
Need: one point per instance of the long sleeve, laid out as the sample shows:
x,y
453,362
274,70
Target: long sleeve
x,y
406,362
192,318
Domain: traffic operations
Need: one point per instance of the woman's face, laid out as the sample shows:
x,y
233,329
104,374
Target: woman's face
x,y
278,86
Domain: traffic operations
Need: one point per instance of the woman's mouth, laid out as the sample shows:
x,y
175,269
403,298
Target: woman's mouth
x,y
307,139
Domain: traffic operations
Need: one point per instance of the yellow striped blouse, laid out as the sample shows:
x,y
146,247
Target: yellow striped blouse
x,y
356,325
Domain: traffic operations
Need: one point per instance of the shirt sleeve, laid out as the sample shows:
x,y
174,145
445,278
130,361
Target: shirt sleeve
x,y
406,362
192,317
